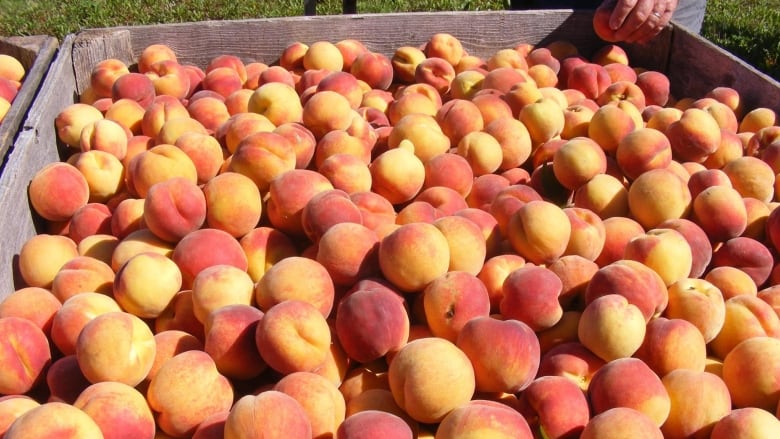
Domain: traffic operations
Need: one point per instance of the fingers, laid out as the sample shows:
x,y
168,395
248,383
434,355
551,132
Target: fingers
x,y
640,20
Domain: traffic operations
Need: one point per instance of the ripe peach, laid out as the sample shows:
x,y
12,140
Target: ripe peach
x,y
425,134
217,286
429,377
745,317
190,376
374,68
210,111
656,248
694,136
159,163
451,300
624,420
230,341
544,120
373,423
756,119
42,256
296,278
325,111
647,393
173,208
484,417
371,323
25,354
293,335
747,254
116,407
233,203
179,316
609,125
530,294
748,371
672,344
54,418
698,400
658,195
57,191
600,317
641,150
746,422
169,342
539,243
751,177
404,61
435,71
204,248
135,86
556,406
493,371
408,264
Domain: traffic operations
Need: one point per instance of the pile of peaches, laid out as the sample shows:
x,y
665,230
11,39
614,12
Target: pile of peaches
x,y
12,73
345,244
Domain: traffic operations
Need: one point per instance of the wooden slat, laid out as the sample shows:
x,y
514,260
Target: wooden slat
x,y
35,53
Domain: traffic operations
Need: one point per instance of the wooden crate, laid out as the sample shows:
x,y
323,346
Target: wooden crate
x,y
693,64
35,53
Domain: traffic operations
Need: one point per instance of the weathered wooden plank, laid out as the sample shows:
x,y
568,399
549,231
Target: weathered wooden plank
x,y
35,53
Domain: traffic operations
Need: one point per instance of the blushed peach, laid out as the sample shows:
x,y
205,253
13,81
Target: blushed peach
x,y
470,418
54,418
746,422
698,401
601,316
537,242
658,195
623,419
296,278
82,273
173,208
373,423
116,407
745,317
530,294
230,341
42,256
217,286
748,371
25,354
206,247
233,203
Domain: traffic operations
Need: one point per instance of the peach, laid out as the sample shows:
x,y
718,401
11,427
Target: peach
x,y
135,86
115,346
397,174
656,248
179,316
720,212
493,371
724,116
171,129
449,170
658,195
64,380
435,71
323,55
190,376
320,399
288,194
42,256
642,150
601,316
745,317
72,119
240,126
544,120
746,422
105,135
349,252
139,241
169,78
672,344
263,247
204,248
127,113
556,406
577,161
609,125
539,231
694,136
325,111
293,335
57,191
484,417
210,112
451,300
169,342
89,219
647,393
404,61
604,195
444,45
424,133
407,263
757,219
104,174
748,371
588,234
701,248
623,90
429,377
82,273
350,49
263,156
747,254
458,117
373,68
344,83
698,400
230,61
173,208
277,101
223,80
233,203
296,278
128,217
621,72
161,162
371,323
589,78
699,302
624,420
18,304
238,101
153,53
411,103
326,209
118,409
12,407
466,84
571,360
756,119
230,341
373,423
530,294
729,97
220,285
25,354
751,177
54,418
132,289
303,142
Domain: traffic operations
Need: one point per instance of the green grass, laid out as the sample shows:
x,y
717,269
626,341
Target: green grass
x,y
748,29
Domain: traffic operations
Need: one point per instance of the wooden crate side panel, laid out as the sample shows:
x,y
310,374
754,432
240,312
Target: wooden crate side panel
x,y
696,64
34,147
35,53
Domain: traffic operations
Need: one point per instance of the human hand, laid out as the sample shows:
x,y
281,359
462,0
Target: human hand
x,y
637,21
